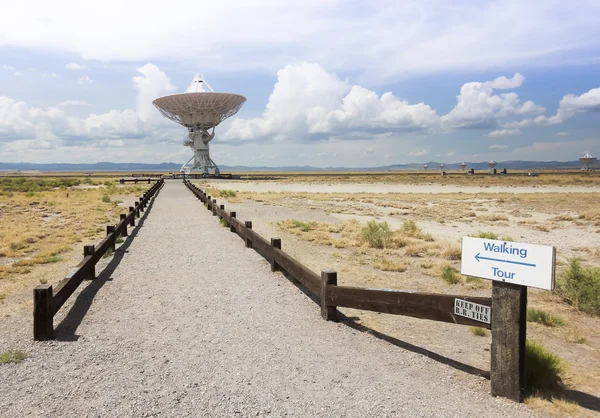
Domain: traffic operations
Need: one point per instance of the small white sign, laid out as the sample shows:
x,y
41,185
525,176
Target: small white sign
x,y
473,311
512,262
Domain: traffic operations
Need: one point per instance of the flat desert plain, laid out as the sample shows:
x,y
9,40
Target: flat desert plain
x,y
323,222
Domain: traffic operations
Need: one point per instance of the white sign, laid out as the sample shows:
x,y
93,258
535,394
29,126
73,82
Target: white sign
x,y
512,262
473,310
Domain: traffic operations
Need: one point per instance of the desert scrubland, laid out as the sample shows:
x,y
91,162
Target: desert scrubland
x,y
44,222
404,232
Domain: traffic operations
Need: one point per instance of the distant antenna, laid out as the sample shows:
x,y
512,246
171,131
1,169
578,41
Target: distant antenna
x,y
463,165
425,167
492,165
588,161
442,167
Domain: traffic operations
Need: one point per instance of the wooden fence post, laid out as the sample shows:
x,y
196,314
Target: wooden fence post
x,y
208,202
90,250
248,225
43,315
222,207
214,207
232,216
275,243
110,229
509,327
137,209
141,205
328,278
122,217
132,220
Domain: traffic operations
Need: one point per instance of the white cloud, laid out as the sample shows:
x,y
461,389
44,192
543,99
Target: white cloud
x,y
563,134
75,66
478,107
18,74
85,80
307,100
436,35
419,153
495,146
504,132
68,103
18,121
51,75
8,67
152,83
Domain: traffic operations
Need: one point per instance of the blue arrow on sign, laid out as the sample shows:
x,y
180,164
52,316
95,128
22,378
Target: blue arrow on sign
x,y
479,257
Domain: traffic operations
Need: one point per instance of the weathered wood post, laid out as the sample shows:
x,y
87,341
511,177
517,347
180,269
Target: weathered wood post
x,y
90,250
248,225
222,207
141,204
110,229
122,217
137,209
328,312
214,207
275,243
208,202
132,220
231,227
43,315
509,327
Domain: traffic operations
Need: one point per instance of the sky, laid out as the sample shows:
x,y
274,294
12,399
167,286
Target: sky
x,y
328,83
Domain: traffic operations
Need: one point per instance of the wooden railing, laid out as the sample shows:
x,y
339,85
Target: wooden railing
x,y
507,323
48,301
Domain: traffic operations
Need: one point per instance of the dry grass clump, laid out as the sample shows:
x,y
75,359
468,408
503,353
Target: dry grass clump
x,y
450,275
545,318
388,265
451,251
478,331
12,356
493,218
543,369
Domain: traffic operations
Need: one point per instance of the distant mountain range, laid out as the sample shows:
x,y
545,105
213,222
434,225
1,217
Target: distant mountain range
x,y
173,167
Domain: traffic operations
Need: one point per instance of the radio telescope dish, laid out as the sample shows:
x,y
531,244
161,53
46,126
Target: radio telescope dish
x,y
587,161
425,167
492,165
199,109
463,166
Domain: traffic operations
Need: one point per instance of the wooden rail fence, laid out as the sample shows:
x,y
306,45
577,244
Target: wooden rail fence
x,y
47,301
508,302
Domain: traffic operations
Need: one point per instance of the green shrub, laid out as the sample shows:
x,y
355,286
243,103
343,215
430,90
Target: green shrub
x,y
223,222
478,331
450,275
486,235
377,235
227,193
544,318
33,184
543,369
303,226
106,198
580,286
12,356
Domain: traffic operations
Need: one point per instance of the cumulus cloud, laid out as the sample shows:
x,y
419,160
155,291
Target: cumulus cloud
x,y
563,134
85,80
478,107
8,67
307,100
75,66
496,146
569,106
50,75
19,122
18,74
504,132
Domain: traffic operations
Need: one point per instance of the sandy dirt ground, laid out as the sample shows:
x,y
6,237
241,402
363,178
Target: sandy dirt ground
x,y
185,321
524,219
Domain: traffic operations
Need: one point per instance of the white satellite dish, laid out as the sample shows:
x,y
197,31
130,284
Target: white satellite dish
x,y
199,109
492,165
425,167
587,161
463,165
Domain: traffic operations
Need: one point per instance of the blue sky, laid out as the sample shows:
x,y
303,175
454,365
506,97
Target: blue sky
x,y
328,82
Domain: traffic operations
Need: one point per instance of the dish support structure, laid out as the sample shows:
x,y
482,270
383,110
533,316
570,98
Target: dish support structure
x,y
198,139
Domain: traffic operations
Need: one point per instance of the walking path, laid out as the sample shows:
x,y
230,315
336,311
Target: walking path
x,y
189,322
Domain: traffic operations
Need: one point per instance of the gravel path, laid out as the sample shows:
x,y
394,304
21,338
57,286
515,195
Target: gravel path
x,y
191,323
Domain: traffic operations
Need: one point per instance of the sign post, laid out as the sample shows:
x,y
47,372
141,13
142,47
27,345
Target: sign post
x,y
512,267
